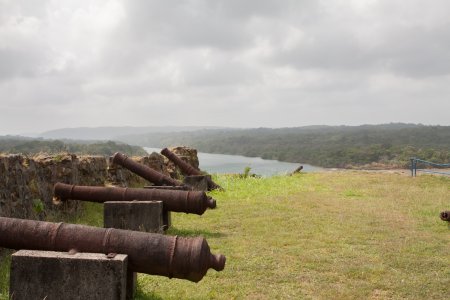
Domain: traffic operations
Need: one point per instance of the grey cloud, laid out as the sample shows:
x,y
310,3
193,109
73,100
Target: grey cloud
x,y
19,63
152,29
180,24
331,50
23,8
418,51
408,47
231,63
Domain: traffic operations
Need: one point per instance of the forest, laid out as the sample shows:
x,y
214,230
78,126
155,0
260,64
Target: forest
x,y
28,146
366,146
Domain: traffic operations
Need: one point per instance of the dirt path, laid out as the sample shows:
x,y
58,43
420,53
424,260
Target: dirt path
x,y
406,172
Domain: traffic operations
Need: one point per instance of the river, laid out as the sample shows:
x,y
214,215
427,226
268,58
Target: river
x,y
224,163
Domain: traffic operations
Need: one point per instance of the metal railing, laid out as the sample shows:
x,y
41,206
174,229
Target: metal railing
x,y
436,170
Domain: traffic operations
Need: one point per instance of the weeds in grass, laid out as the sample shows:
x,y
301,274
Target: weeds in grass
x,y
311,236
5,262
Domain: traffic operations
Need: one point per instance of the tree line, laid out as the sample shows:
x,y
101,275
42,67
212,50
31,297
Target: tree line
x,y
387,145
34,146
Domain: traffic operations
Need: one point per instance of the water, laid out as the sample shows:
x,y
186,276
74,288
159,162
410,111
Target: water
x,y
224,163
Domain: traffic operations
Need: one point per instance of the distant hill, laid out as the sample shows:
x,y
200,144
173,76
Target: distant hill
x,y
15,137
386,145
111,133
11,145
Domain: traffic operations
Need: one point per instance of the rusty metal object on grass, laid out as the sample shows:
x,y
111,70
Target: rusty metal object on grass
x,y
445,215
178,201
186,168
150,253
144,171
298,170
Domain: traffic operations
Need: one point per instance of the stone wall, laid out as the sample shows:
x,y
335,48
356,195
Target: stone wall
x,y
26,183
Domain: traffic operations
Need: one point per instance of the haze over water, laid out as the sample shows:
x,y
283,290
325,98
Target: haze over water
x,y
224,163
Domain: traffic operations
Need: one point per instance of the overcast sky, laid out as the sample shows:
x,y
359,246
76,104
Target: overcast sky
x,y
222,63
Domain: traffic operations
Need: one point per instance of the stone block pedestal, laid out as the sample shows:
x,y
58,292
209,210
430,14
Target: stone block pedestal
x,y
198,182
147,216
59,275
134,215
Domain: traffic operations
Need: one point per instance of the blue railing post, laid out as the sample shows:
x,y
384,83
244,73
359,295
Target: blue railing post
x,y
413,166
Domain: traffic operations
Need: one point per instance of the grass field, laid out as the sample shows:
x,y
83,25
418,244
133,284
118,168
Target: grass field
x,y
330,235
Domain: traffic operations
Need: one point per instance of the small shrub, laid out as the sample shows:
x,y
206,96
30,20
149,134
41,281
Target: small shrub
x,y
38,206
246,172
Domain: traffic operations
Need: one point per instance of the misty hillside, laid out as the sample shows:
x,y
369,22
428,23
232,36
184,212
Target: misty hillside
x,y
390,145
29,146
110,133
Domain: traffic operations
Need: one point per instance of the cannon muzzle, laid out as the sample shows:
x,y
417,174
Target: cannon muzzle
x,y
144,171
445,215
150,253
194,202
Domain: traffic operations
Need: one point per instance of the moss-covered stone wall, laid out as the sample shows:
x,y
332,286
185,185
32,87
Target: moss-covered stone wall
x,y
26,183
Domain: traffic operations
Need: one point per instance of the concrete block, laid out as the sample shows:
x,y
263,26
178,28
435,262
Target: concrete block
x,y
59,275
147,216
198,182
134,215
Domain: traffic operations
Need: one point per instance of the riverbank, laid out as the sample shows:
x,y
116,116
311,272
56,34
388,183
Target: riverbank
x,y
226,164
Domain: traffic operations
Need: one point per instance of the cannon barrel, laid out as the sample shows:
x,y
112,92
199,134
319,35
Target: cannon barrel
x,y
445,215
186,168
150,253
144,171
194,202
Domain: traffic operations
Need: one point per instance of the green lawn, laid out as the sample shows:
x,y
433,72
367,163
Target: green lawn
x,y
330,235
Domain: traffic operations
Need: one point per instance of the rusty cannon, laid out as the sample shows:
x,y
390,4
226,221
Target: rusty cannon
x,y
187,169
194,202
445,215
150,253
144,171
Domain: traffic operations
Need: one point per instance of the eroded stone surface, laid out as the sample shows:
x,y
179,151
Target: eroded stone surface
x,y
60,275
144,216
